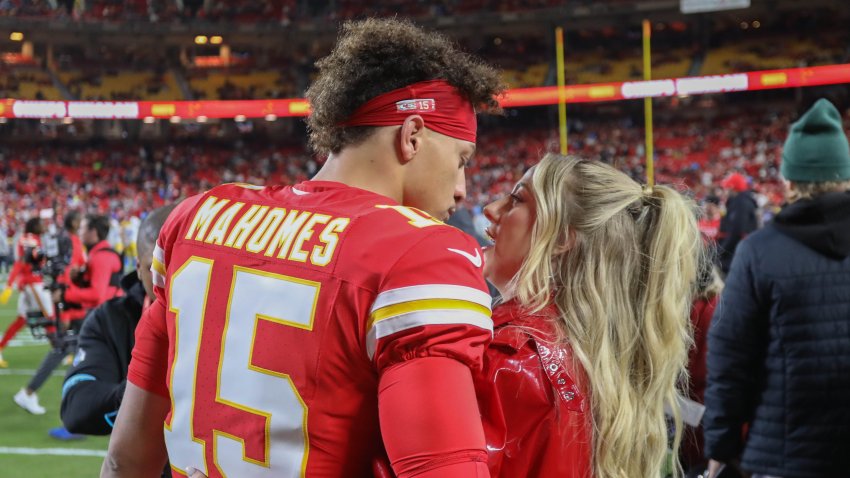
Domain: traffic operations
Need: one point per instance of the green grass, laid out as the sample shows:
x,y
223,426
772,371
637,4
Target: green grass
x,y
19,429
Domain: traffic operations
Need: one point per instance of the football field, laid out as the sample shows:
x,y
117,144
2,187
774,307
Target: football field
x,y
26,450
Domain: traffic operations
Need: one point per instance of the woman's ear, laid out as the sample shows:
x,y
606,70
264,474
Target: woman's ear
x,y
410,137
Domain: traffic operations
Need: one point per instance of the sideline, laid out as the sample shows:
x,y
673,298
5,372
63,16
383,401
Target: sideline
x,y
5,450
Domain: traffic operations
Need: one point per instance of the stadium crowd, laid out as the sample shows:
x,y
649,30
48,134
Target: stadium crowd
x,y
122,179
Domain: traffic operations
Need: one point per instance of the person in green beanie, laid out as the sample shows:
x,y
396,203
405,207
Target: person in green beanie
x,y
779,344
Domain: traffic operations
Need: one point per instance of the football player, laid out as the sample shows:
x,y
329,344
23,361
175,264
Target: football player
x,y
301,330
34,300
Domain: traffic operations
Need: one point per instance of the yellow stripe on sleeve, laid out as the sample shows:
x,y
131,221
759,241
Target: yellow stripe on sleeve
x,y
425,305
158,267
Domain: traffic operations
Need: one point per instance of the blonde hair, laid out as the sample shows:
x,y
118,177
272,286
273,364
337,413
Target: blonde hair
x,y
810,190
621,263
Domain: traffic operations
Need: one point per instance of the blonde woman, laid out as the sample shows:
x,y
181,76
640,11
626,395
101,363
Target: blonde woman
x,y
591,339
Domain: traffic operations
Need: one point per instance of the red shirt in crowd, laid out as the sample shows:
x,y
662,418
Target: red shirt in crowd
x,y
102,265
709,228
78,260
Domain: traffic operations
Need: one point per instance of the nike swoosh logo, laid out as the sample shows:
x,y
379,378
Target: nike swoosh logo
x,y
475,260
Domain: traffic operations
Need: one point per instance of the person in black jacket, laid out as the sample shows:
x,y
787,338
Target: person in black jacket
x,y
94,385
779,343
741,218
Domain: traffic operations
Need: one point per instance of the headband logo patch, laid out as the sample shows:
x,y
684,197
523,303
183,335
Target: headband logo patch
x,y
416,106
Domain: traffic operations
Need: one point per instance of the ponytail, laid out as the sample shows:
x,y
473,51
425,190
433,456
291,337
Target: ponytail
x,y
621,263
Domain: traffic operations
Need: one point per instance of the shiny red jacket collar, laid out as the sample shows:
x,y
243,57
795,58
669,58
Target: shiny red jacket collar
x,y
536,418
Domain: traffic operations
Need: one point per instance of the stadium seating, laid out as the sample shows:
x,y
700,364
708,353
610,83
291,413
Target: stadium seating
x,y
773,52
27,82
122,85
244,84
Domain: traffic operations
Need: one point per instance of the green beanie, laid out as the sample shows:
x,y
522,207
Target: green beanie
x,y
816,149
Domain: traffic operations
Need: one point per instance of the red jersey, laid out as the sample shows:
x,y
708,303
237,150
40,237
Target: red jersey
x,y
278,309
536,417
709,228
22,271
74,311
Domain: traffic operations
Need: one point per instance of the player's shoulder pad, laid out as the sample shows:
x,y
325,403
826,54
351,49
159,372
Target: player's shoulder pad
x,y
422,234
402,230
404,218
395,221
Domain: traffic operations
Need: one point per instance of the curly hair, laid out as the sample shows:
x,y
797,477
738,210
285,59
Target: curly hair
x,y
375,56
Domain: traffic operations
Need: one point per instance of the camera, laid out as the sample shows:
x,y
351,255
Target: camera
x,y
51,260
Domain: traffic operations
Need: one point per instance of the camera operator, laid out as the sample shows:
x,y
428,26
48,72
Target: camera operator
x,y
95,384
34,301
96,283
100,279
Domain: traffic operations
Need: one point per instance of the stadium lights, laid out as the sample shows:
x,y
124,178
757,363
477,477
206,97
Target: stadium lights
x,y
271,117
174,119
149,120
202,119
201,40
16,36
216,40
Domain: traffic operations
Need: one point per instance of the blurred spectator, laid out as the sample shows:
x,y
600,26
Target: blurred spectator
x,y
779,344
73,310
709,287
6,256
709,223
34,302
100,280
741,218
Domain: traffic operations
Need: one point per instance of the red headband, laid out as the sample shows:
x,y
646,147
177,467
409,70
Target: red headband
x,y
439,103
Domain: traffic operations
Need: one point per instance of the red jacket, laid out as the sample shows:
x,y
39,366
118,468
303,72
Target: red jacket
x,y
701,313
536,418
99,272
72,310
691,451
22,272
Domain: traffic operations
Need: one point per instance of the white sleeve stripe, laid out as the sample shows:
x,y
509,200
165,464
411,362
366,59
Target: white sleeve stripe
x,y
431,291
158,279
410,320
159,254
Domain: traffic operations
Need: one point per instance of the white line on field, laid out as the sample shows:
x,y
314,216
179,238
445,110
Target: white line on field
x,y
5,450
27,343
24,371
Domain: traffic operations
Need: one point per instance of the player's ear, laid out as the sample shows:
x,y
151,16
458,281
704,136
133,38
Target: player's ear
x,y
410,137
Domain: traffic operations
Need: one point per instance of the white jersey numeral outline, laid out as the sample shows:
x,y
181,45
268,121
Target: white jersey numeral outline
x,y
254,296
